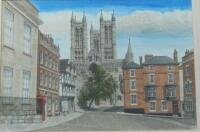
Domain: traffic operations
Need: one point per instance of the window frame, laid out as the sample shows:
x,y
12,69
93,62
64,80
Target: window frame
x,y
9,37
132,103
161,105
131,82
26,84
148,90
150,110
170,67
27,38
7,82
130,72
154,78
169,89
172,78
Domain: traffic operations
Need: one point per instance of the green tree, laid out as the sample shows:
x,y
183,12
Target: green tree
x,y
99,86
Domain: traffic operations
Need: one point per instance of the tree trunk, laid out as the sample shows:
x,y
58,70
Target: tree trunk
x,y
91,103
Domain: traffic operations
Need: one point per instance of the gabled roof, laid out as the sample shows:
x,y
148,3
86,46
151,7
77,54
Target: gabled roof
x,y
160,60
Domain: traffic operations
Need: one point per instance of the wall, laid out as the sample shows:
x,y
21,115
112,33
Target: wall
x,y
15,58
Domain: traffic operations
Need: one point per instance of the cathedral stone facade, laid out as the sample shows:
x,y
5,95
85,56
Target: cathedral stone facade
x,y
102,46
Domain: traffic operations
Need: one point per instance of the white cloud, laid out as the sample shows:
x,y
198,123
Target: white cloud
x,y
154,23
177,23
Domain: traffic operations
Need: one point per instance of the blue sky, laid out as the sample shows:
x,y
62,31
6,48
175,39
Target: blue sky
x,y
154,26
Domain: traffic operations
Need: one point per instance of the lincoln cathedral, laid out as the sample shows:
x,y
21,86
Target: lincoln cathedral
x,y
102,45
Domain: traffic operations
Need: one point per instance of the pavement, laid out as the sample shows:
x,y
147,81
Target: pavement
x,y
49,122
105,119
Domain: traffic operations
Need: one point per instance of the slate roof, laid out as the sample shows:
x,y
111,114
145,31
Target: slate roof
x,y
130,65
160,60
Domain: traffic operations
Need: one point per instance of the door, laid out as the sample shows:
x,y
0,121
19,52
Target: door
x,y
175,107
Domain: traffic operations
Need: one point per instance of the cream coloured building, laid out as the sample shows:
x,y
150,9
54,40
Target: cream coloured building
x,y
18,47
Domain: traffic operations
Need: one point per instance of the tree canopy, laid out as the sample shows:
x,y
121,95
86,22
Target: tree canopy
x,y
99,86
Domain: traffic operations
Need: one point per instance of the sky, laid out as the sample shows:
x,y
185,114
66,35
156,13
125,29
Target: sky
x,y
154,26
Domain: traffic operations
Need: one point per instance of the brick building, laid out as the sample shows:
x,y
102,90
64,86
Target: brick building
x,y
132,84
189,84
48,73
151,86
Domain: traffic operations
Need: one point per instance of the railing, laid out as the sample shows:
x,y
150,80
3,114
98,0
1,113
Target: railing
x,y
16,106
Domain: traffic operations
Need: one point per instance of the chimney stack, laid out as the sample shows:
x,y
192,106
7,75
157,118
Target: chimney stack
x,y
140,60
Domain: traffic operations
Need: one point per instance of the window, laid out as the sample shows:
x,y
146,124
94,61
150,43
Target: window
x,y
56,104
41,57
49,103
132,72
45,81
151,92
50,81
163,105
133,84
26,83
151,78
8,80
152,106
188,106
170,91
133,99
27,38
8,28
151,67
170,78
188,87
170,68
41,79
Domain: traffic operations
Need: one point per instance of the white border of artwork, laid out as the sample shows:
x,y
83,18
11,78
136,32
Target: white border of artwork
x,y
196,41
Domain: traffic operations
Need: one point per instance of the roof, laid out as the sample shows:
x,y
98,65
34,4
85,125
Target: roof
x,y
65,63
130,65
160,60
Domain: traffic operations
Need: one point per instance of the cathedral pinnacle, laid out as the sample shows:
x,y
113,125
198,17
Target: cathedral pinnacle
x,y
113,15
129,53
72,16
84,17
101,17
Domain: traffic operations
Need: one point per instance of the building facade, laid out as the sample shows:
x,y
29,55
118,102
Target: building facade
x,y
48,73
68,91
152,86
19,23
189,90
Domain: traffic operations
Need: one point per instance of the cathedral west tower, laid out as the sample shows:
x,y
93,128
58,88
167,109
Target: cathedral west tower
x,y
78,39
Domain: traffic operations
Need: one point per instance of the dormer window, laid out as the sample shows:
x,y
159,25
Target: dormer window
x,y
132,72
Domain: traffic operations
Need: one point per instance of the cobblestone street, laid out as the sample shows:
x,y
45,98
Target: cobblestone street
x,y
99,120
